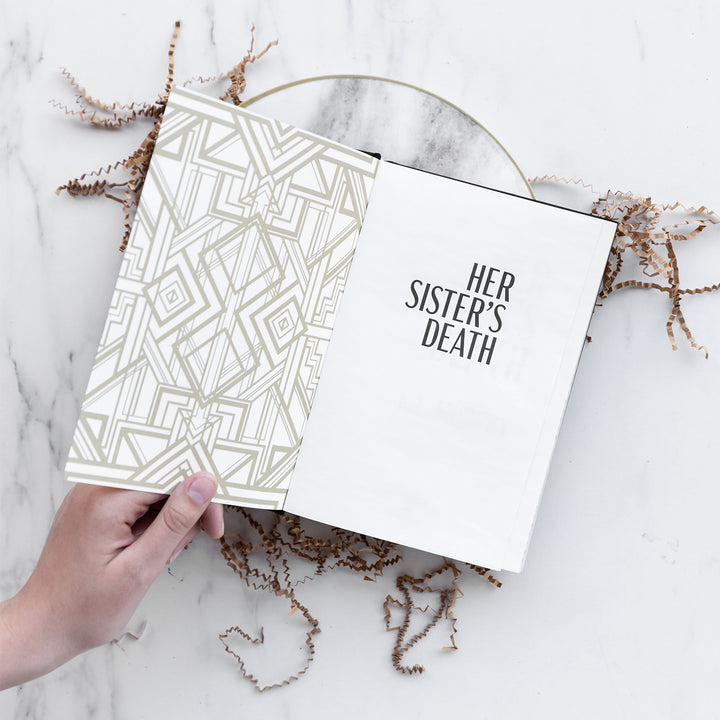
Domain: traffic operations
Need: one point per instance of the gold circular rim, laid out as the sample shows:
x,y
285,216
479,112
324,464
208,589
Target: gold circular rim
x,y
303,81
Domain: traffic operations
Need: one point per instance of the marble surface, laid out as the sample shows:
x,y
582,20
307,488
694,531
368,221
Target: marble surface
x,y
615,614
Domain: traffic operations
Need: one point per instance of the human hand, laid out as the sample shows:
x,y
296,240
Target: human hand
x,y
104,549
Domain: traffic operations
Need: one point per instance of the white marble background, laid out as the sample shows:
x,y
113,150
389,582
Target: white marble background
x,y
616,614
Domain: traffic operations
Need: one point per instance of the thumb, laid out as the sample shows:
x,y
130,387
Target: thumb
x,y
177,517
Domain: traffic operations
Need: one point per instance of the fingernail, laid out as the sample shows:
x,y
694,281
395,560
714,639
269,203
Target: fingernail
x,y
202,488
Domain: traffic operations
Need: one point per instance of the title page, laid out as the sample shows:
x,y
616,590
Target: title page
x,y
449,368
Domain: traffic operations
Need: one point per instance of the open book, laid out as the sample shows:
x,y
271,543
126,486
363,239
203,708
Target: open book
x,y
357,342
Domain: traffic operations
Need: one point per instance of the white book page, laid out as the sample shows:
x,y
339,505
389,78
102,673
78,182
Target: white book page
x,y
449,367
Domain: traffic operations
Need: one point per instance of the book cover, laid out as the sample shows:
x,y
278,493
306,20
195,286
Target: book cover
x,y
224,305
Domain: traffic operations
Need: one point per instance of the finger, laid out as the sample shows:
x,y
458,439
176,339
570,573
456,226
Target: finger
x,y
189,537
177,517
213,520
145,522
115,510
113,503
131,505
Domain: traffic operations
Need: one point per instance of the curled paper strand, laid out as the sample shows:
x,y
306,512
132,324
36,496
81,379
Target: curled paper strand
x,y
115,115
648,231
135,633
265,555
441,582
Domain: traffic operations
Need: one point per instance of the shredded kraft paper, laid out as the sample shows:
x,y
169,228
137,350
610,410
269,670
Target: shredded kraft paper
x,y
116,115
269,547
648,232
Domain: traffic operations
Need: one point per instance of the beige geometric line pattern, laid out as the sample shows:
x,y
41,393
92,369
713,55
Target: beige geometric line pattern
x,y
224,305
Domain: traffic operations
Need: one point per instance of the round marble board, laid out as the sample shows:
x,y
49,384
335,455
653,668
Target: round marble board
x,y
400,122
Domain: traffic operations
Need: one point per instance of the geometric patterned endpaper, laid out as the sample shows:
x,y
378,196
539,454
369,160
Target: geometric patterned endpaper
x,y
224,306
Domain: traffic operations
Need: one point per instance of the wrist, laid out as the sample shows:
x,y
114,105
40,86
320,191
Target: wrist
x,y
31,645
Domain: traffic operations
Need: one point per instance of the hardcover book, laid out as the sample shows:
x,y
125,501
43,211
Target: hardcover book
x,y
361,343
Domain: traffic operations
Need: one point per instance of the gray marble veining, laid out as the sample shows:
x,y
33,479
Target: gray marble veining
x,y
400,123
